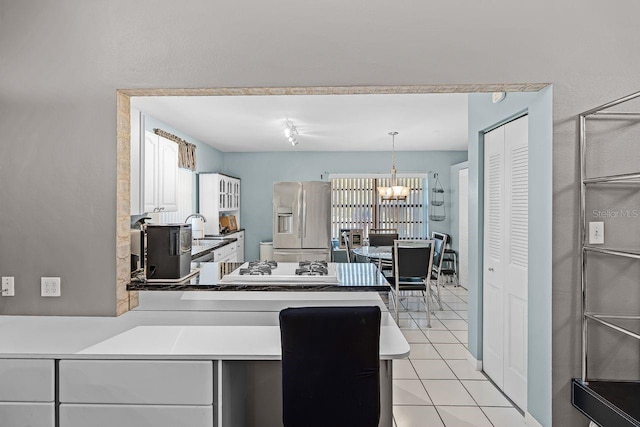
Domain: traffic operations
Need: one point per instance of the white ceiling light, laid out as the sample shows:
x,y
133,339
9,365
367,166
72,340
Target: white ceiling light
x,y
394,191
290,132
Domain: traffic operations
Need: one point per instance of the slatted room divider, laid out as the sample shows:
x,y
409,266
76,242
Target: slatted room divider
x,y
355,204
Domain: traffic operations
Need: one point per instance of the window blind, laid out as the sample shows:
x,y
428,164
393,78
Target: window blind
x,y
355,204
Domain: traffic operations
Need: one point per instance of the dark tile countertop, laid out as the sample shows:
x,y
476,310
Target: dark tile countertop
x,y
351,277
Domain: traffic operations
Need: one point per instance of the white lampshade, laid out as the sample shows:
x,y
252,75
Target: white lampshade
x,y
394,191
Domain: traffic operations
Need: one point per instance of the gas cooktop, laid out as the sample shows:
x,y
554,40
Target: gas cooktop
x,y
320,272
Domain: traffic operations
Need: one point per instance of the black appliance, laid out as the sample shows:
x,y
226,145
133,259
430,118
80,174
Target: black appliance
x,y
168,251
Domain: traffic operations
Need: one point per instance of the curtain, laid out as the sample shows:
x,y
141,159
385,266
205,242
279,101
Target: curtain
x,y
186,151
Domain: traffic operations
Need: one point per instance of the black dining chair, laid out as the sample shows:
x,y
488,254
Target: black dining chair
x,y
412,265
447,268
383,239
330,366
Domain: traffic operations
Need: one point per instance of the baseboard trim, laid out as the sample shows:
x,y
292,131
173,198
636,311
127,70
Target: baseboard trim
x,y
530,421
477,364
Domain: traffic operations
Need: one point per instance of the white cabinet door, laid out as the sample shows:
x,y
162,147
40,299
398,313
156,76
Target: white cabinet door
x,y
168,175
160,174
240,246
150,185
506,258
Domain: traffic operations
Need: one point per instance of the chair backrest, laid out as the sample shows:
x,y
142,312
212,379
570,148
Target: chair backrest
x,y
330,366
442,236
440,240
383,230
382,239
347,245
413,258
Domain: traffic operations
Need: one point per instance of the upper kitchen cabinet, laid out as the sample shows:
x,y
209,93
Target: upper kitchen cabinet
x,y
154,172
219,196
160,174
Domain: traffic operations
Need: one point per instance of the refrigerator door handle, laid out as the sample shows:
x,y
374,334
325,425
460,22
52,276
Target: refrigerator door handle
x,y
299,212
304,214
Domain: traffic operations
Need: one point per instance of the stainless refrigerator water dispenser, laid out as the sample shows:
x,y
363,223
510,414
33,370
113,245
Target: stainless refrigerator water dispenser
x,y
284,221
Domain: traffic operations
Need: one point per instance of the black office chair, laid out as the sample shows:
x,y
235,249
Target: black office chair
x,y
412,265
330,366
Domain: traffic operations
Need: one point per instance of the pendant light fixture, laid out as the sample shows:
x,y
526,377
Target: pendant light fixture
x,y
394,191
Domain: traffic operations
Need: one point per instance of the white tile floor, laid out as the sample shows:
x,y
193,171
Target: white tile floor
x,y
436,385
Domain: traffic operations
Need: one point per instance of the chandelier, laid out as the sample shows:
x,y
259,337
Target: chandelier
x,y
394,191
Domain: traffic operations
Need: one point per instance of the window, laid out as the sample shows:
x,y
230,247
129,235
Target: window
x,y
355,204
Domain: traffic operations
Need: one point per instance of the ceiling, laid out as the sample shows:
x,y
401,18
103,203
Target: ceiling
x,y
324,122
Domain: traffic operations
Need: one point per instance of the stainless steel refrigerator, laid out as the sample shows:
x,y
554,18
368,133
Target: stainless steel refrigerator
x,y
301,221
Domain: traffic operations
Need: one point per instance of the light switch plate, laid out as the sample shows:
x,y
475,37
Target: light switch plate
x,y
50,286
7,289
596,233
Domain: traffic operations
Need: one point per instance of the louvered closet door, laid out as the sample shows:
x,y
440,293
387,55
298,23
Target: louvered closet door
x,y
516,245
506,259
493,285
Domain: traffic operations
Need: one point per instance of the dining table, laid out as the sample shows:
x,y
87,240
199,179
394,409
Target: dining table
x,y
376,254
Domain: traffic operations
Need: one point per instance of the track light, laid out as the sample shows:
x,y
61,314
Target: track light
x,y
290,132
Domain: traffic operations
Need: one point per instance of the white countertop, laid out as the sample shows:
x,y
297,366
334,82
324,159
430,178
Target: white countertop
x,y
250,332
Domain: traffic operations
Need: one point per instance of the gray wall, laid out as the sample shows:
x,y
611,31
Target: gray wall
x,y
484,115
63,60
259,171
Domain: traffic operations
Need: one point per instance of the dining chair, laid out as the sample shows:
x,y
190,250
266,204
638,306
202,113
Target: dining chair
x,y
448,270
383,230
382,239
347,246
330,366
412,265
437,272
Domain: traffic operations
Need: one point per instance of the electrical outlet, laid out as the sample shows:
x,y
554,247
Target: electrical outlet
x,y
50,286
7,289
596,233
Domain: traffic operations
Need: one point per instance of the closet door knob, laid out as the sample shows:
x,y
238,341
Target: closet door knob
x,y
491,269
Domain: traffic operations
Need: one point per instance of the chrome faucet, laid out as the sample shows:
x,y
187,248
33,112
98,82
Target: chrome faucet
x,y
195,215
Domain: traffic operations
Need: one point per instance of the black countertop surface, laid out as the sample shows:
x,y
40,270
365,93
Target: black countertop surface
x,y
351,277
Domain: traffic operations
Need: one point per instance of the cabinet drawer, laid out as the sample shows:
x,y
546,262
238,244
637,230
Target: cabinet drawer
x,y
135,416
23,414
224,251
136,382
26,380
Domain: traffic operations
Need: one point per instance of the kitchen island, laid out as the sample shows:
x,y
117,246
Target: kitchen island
x,y
350,277
179,359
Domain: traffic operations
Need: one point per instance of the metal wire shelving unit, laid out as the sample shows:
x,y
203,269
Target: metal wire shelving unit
x,y
605,402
